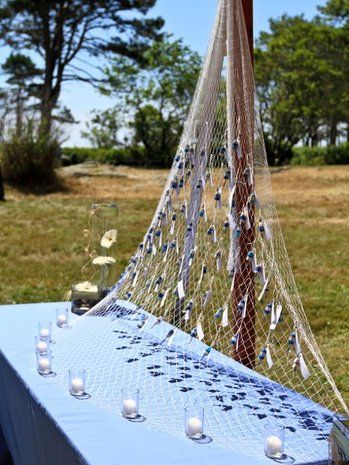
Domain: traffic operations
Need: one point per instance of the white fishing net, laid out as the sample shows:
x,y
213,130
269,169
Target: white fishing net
x,y
210,290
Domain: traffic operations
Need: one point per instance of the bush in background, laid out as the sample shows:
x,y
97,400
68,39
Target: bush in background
x,y
308,156
314,156
133,156
29,159
136,156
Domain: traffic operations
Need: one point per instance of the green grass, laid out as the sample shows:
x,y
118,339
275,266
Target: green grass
x,y
41,245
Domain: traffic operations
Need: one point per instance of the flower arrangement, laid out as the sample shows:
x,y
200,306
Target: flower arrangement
x,y
102,239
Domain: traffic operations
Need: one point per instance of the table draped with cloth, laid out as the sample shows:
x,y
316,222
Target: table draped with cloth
x,y
42,424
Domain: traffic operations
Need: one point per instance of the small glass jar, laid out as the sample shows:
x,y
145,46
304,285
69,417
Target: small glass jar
x,y
130,403
45,331
274,441
41,346
77,382
44,363
194,421
62,317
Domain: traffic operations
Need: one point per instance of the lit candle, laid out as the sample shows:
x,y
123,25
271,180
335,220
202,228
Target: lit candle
x,y
77,386
42,347
62,320
273,446
44,365
44,333
130,408
194,427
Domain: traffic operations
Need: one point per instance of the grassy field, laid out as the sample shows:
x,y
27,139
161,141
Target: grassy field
x,y
42,244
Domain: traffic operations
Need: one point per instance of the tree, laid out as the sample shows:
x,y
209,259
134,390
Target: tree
x,y
156,134
21,72
4,109
285,85
102,130
64,32
336,14
300,83
155,96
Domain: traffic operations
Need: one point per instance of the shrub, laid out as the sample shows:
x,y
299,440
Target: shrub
x,y
337,155
29,159
308,156
314,156
117,156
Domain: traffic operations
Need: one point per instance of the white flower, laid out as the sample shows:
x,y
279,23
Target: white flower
x,y
101,261
86,286
109,238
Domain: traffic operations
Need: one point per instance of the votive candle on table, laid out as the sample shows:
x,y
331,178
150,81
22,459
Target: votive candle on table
x,y
194,422
44,362
77,382
274,441
62,317
41,346
129,403
45,329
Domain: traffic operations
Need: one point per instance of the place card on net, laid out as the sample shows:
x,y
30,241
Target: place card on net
x,y
225,321
180,290
200,333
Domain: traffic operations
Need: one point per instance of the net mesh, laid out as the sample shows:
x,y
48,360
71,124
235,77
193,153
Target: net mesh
x,y
212,264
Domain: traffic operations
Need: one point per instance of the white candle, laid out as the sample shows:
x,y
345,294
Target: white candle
x,y
194,427
77,386
42,347
44,333
130,408
273,445
62,320
44,365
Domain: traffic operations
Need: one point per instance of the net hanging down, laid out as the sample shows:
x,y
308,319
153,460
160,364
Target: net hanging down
x,y
207,311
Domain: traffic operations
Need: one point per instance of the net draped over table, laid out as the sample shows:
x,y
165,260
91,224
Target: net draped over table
x,y
213,264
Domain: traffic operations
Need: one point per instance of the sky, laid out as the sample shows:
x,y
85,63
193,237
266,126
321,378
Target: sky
x,y
188,19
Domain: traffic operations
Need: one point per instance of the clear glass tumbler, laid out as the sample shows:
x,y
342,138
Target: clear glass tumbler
x,y
62,317
77,382
130,403
274,441
41,346
45,331
44,363
194,421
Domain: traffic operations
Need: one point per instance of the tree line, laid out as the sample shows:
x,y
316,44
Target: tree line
x,y
302,75
301,72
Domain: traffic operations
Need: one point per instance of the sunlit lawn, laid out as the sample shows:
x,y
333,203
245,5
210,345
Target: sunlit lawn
x,y
42,244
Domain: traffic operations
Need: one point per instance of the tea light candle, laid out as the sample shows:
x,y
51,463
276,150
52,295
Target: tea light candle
x,y
42,347
194,427
62,320
44,365
77,386
44,333
273,445
130,408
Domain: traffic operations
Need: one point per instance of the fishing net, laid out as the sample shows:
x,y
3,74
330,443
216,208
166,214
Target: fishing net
x,y
207,309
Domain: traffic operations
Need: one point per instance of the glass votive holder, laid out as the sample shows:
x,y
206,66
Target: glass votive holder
x,y
41,346
62,317
130,403
194,421
77,382
274,441
44,363
45,330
